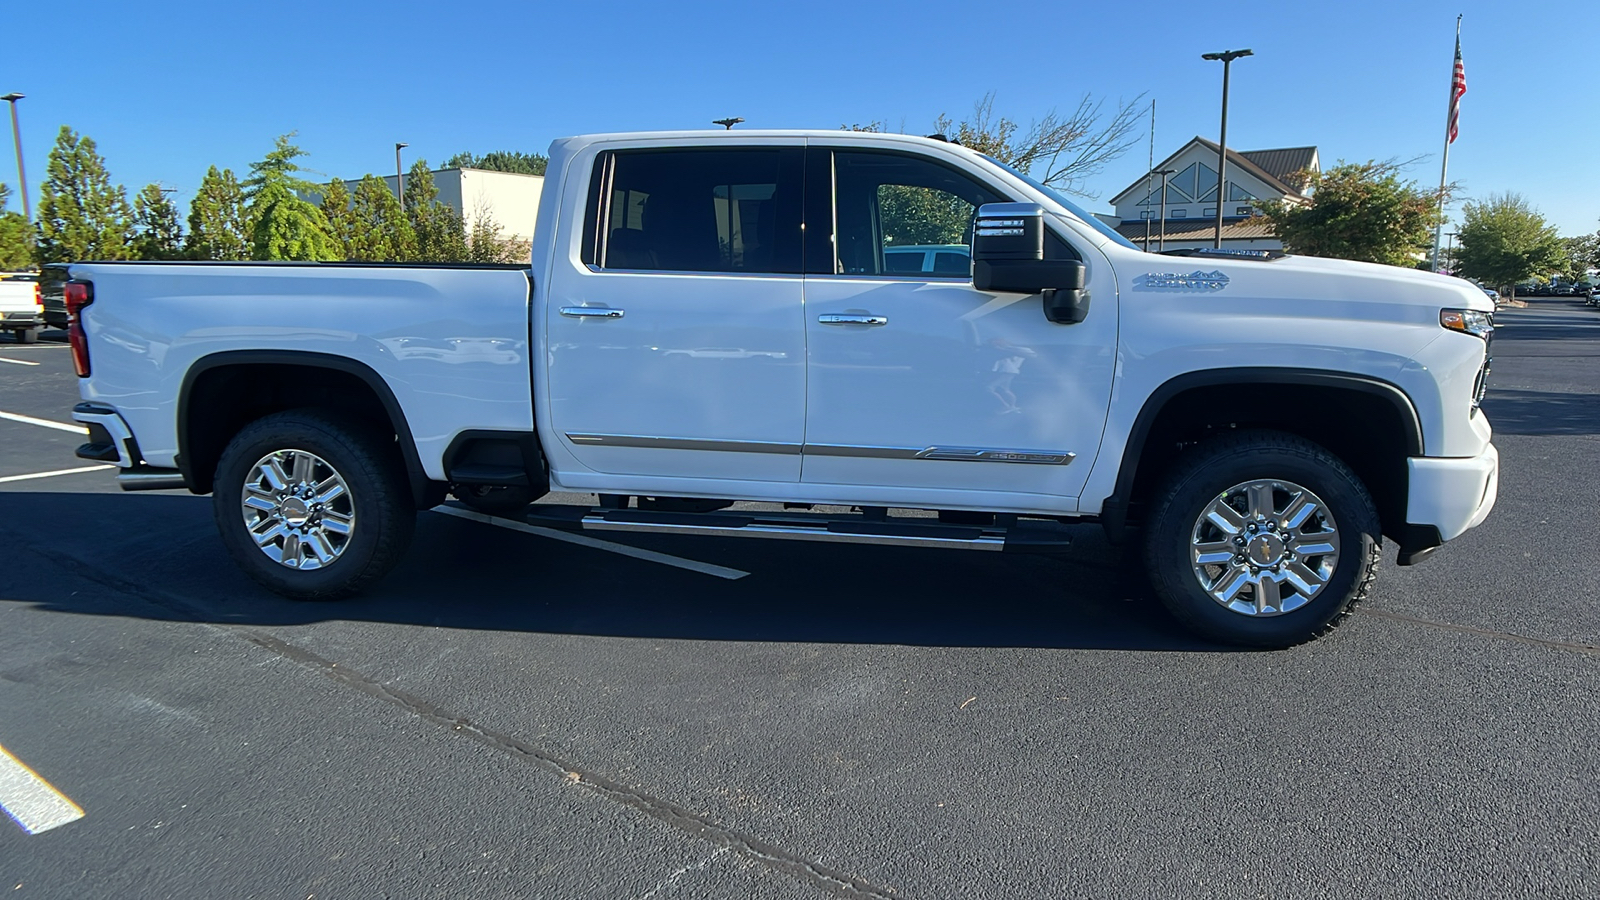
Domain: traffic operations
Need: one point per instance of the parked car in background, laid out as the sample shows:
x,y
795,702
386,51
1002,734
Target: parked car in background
x,y
1491,293
20,311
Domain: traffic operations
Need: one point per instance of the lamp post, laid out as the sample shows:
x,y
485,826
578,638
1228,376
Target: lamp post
x,y
1227,57
1164,173
16,137
1450,253
399,176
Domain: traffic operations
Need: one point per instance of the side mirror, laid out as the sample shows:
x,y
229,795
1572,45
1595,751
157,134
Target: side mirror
x,y
1008,257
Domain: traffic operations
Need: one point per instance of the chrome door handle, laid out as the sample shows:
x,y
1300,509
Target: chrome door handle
x,y
837,319
591,312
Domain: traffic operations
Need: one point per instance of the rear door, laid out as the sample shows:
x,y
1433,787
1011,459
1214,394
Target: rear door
x,y
677,332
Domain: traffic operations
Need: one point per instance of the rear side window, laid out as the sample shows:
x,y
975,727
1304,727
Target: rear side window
x,y
723,210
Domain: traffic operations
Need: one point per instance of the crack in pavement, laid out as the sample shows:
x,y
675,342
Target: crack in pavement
x,y
696,825
1550,643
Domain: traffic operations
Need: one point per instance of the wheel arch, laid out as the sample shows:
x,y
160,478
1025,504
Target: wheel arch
x,y
1186,408
346,385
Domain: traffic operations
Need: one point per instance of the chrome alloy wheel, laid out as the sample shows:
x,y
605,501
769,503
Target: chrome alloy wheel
x,y
1264,548
298,509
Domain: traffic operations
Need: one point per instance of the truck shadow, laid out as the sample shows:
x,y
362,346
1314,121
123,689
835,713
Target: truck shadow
x,y
158,557
1542,412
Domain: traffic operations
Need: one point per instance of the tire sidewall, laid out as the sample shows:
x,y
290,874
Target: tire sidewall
x,y
1346,499
369,493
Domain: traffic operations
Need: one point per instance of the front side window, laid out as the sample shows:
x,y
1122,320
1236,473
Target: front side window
x,y
722,210
894,214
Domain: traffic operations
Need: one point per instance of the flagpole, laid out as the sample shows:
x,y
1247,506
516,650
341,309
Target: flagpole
x,y
1444,167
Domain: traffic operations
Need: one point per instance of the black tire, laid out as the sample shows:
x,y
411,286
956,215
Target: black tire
x,y
1201,477
378,496
494,501
27,335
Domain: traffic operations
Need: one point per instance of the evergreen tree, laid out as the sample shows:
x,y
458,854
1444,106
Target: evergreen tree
x,y
485,244
159,234
82,216
441,236
382,233
218,228
284,226
341,218
16,237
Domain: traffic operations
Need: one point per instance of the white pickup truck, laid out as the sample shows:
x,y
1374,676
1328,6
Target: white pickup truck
x,y
21,313
709,318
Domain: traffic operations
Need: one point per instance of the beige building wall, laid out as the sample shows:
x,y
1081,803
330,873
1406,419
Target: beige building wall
x,y
511,200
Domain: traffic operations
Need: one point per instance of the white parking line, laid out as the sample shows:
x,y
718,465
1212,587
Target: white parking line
x,y
30,420
31,801
586,541
55,473
18,362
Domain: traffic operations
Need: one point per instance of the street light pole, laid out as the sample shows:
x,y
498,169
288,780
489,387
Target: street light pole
x,y
1227,57
16,137
399,176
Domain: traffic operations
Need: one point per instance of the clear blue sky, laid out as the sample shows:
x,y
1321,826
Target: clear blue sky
x,y
167,89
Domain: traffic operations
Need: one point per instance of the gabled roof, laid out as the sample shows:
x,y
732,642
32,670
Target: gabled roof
x,y
1285,163
1253,228
1242,160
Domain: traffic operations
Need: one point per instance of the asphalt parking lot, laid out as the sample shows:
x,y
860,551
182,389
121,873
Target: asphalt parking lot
x,y
511,715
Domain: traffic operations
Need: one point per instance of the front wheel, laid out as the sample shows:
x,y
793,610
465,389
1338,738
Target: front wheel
x,y
311,507
1262,539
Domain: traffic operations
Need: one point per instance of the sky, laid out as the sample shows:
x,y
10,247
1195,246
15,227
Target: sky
x,y
167,89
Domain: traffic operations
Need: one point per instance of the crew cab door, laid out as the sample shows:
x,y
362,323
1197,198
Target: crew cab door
x,y
919,382
674,332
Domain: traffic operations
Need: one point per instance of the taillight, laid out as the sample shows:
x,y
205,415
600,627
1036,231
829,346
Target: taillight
x,y
78,295
38,298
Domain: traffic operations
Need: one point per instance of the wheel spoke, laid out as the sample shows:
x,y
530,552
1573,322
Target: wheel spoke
x,y
1313,545
328,490
260,503
1239,578
1226,518
336,523
1268,595
320,548
302,468
263,538
276,478
1304,580
1213,553
1259,497
1298,511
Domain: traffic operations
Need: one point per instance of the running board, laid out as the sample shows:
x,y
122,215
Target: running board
x,y
840,530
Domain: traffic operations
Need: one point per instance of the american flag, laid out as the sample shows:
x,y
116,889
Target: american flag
x,y
1458,87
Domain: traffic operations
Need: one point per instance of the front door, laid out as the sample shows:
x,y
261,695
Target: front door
x,y
678,331
919,383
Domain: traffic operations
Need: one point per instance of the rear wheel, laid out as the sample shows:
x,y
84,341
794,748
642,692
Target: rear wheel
x,y
1262,539
27,335
311,507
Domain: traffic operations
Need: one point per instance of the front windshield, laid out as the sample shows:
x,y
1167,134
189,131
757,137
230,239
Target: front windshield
x,y
1053,194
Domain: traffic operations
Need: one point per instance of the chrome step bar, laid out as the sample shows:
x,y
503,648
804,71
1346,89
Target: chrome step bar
x,y
983,540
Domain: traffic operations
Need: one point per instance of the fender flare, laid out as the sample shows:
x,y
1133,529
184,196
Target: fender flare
x,y
1114,510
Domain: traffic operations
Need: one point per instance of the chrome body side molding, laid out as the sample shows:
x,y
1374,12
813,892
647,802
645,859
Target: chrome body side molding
x,y
945,454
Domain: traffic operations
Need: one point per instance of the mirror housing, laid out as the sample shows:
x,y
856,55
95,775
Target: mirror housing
x,y
1008,257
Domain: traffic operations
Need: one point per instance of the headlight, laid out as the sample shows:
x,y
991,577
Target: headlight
x,y
1467,321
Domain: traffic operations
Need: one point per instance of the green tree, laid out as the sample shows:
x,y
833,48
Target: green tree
x,y
341,218
82,215
218,224
441,236
382,233
500,161
158,234
16,236
486,243
1502,240
1361,211
283,224
1583,254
